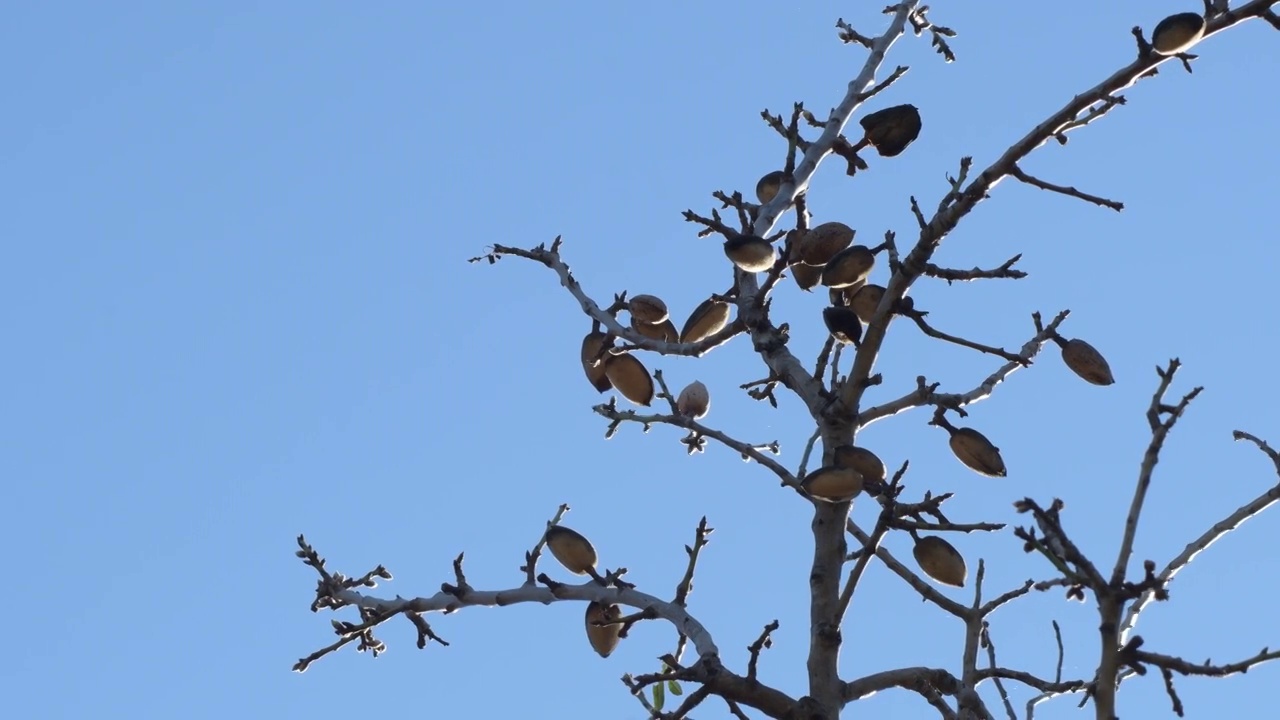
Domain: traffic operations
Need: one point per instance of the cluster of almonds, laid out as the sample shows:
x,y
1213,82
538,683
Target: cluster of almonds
x,y
606,369
576,553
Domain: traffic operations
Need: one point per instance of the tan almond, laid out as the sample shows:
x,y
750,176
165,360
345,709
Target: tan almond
x,y
630,378
694,400
572,549
833,484
1177,33
751,253
664,331
648,309
865,302
591,347
849,266
603,638
843,324
706,320
1085,361
820,244
940,560
806,276
768,186
977,452
867,463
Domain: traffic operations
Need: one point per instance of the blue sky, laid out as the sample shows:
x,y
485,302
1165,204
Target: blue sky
x,y
237,308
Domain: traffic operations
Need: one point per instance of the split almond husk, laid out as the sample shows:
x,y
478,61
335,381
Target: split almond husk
x,y
664,331
833,484
820,244
768,186
867,463
849,266
1177,33
751,253
892,129
694,400
940,560
574,551
865,302
592,344
706,320
1087,362
630,378
977,452
806,276
647,309
843,324
603,638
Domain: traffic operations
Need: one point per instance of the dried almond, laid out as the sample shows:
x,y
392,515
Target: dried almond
x,y
865,302
664,331
1177,33
706,320
603,638
630,378
977,452
849,266
572,549
1085,361
820,244
833,484
592,344
768,186
806,276
843,324
694,400
940,560
892,129
867,463
647,309
750,253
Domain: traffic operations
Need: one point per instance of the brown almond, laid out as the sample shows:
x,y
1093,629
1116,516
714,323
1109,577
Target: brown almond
x,y
820,244
1177,33
1085,361
572,549
806,276
706,320
977,452
940,560
664,331
768,186
630,378
603,638
833,484
694,400
751,253
647,309
843,324
892,129
865,302
867,463
849,266
591,346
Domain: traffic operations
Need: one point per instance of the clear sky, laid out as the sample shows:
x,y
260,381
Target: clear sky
x,y
236,308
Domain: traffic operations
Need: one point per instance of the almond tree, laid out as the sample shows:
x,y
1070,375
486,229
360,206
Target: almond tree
x,y
867,284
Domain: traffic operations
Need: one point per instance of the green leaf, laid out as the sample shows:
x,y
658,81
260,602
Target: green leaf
x,y
659,697
674,687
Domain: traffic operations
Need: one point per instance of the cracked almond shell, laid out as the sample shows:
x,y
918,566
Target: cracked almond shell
x,y
751,253
694,400
892,129
832,483
574,551
648,309
867,463
820,244
1085,361
630,378
806,276
768,186
865,302
664,331
1177,33
940,560
843,324
603,638
706,320
849,266
977,452
591,346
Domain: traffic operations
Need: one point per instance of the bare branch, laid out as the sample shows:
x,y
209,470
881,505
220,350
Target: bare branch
x,y
1017,172
1005,271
